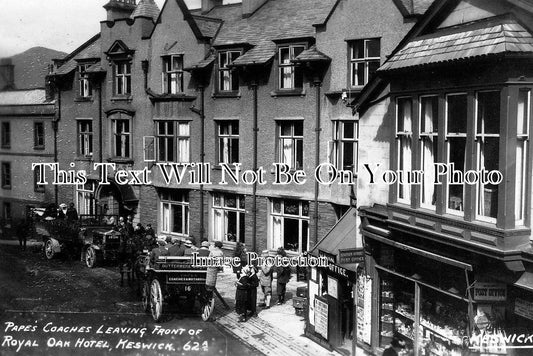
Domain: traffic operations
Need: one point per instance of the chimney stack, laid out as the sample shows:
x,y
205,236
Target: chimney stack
x,y
207,5
7,74
249,7
119,9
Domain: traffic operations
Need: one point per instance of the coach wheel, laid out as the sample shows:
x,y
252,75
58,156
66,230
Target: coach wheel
x,y
146,296
156,300
90,257
207,309
49,250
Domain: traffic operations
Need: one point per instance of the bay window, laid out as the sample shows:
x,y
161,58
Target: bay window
x,y
456,122
522,147
429,108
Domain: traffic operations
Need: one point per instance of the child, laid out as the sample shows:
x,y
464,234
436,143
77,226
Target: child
x,y
265,280
241,294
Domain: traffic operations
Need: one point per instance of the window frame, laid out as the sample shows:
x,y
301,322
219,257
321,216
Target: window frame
x,y
85,88
39,135
524,137
224,209
127,135
223,68
6,172
122,90
6,137
85,138
432,135
365,60
407,135
282,215
294,138
38,188
230,137
168,73
166,200
338,142
175,137
294,68
85,194
7,212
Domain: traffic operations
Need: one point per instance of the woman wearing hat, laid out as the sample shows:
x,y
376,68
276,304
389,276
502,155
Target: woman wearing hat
x,y
204,249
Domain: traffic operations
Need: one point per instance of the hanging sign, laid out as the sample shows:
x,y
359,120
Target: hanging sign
x,y
493,292
355,255
523,308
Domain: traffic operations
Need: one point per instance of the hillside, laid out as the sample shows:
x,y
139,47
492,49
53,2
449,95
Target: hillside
x,y
31,66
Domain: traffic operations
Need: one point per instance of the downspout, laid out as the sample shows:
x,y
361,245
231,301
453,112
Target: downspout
x,y
202,157
254,165
56,128
100,123
317,83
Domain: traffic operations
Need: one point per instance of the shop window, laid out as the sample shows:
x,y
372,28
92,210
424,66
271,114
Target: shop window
x,y
6,135
404,132
229,217
364,60
290,143
121,138
290,225
228,141
345,145
173,141
172,76
228,80
6,175
85,138
38,135
174,209
429,107
456,120
85,89
290,75
522,148
488,145
122,78
85,200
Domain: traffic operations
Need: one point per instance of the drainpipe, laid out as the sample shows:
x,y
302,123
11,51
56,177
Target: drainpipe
x,y
254,166
202,157
100,123
56,127
317,83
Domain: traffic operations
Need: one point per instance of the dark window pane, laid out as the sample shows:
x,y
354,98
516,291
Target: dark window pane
x,y
488,115
372,47
298,128
291,234
457,113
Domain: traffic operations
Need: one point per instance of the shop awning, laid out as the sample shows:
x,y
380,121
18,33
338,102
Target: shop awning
x,y
485,38
342,237
525,281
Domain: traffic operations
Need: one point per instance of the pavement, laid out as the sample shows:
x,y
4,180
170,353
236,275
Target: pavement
x,y
275,331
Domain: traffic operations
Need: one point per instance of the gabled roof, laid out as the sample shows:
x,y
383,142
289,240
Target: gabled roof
x,y
146,8
484,38
89,50
410,8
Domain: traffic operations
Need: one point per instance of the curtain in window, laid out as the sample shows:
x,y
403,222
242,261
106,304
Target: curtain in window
x,y
218,225
276,232
166,218
183,142
287,151
225,150
428,155
405,148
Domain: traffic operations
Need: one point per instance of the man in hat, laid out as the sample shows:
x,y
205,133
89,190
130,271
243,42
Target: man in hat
x,y
189,248
161,250
177,249
395,347
204,249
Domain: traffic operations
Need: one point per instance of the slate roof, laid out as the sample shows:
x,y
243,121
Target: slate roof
x,y
260,54
414,7
485,38
89,50
146,8
203,63
312,54
23,97
207,26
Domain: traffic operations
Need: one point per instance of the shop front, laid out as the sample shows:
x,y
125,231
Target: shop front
x,y
337,292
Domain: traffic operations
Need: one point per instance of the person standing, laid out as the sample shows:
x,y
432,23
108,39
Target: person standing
x,y
242,259
265,280
396,346
216,255
241,294
72,213
253,283
284,275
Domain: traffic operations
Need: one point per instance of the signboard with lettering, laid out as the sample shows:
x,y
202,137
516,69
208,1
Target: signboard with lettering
x,y
321,317
355,255
523,308
313,291
493,292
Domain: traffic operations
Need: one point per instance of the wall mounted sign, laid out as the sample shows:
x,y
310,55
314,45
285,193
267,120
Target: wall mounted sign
x,y
355,255
321,317
523,308
333,287
493,292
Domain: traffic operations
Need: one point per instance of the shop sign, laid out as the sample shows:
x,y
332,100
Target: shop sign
x,y
321,317
333,287
493,292
355,255
523,308
332,259
313,291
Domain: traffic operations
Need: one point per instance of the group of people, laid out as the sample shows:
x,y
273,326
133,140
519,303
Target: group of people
x,y
250,276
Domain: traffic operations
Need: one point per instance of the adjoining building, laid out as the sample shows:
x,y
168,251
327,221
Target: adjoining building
x,y
449,254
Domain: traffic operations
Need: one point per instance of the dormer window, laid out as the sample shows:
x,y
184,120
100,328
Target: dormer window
x,y
227,80
290,76
84,85
172,75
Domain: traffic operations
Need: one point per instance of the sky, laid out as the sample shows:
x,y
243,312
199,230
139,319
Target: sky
x,y
62,25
